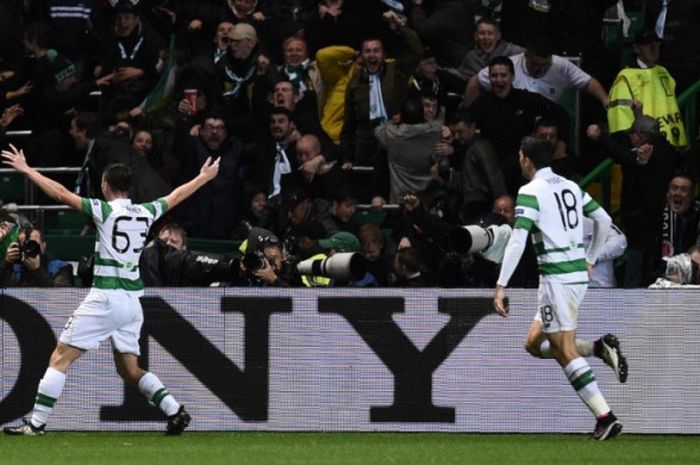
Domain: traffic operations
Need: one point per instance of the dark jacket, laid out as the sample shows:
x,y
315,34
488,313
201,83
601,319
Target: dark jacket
x,y
214,210
146,183
643,187
51,273
140,50
481,176
505,121
357,140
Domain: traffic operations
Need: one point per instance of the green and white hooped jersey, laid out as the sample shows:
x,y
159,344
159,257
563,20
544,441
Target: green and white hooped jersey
x,y
122,228
551,208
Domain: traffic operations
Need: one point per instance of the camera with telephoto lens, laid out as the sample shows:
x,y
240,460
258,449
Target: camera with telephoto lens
x,y
680,269
30,249
488,241
344,266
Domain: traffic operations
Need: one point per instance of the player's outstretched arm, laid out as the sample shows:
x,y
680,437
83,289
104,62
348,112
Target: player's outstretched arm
x,y
208,172
16,159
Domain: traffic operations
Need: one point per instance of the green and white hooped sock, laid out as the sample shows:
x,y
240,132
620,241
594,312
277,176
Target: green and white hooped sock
x,y
583,381
155,392
50,388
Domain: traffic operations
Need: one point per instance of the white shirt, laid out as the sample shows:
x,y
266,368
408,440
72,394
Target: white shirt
x,y
122,228
604,268
560,76
552,208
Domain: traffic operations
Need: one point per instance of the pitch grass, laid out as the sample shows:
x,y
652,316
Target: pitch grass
x,y
344,449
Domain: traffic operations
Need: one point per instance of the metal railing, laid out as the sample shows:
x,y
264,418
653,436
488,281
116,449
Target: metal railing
x,y
30,188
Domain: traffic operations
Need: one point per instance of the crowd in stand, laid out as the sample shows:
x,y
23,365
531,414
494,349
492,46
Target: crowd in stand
x,y
433,95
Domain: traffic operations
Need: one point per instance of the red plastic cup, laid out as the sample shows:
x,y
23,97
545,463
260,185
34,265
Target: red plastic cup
x,y
191,96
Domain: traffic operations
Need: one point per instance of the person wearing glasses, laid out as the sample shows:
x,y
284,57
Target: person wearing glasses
x,y
215,209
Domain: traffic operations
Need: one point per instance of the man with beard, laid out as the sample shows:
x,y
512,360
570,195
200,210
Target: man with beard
x,y
132,52
276,154
214,210
286,95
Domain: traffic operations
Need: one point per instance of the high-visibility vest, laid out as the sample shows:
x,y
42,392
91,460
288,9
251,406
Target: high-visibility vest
x,y
656,89
316,281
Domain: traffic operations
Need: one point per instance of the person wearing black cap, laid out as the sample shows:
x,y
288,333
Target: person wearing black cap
x,y
648,163
132,52
647,87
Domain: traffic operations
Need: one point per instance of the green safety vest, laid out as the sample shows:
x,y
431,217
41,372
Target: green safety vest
x,y
656,89
316,281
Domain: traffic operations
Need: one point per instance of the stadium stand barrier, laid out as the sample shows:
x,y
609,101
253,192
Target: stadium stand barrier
x,y
244,359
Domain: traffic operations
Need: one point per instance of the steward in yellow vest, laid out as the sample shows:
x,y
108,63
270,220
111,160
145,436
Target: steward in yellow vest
x,y
650,84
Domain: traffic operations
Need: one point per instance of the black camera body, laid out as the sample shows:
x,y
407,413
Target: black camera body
x,y
30,249
254,261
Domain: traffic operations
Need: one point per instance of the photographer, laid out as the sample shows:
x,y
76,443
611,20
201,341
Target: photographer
x,y
466,268
264,263
680,270
166,262
26,264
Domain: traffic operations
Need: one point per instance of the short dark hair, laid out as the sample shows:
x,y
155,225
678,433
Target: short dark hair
x,y
284,79
177,229
412,110
118,177
503,60
217,113
410,259
89,122
541,46
539,151
463,116
282,111
547,123
682,174
371,39
490,22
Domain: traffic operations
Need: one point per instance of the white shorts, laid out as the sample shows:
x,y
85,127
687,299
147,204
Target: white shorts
x,y
558,306
106,314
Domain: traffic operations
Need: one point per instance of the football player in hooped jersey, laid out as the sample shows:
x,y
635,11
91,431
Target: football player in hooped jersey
x,y
551,208
112,308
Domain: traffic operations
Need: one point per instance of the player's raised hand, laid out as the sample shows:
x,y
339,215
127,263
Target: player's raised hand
x,y
15,159
499,302
210,168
